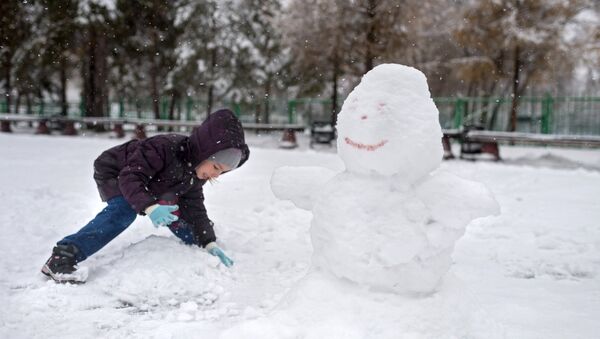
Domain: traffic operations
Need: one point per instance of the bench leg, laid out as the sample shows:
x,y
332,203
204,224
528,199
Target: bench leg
x,y
140,133
42,127
5,126
491,148
447,148
288,140
69,128
118,129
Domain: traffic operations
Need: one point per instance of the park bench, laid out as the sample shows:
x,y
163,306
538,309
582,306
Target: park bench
x,y
7,119
68,125
65,124
475,142
288,139
321,132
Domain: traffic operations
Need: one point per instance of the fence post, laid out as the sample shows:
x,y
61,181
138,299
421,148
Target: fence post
x,y
291,110
235,107
547,105
164,114
459,112
4,124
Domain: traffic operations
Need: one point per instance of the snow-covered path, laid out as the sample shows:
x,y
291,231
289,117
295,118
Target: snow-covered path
x,y
535,268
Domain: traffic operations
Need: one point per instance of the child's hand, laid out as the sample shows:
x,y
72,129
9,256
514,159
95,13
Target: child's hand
x,y
213,249
161,214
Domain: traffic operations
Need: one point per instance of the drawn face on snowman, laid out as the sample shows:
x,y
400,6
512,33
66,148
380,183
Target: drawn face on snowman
x,y
389,125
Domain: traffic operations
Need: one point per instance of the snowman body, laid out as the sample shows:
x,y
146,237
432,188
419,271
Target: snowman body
x,y
379,241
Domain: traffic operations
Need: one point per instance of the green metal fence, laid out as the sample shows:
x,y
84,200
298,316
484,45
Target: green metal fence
x,y
190,109
544,114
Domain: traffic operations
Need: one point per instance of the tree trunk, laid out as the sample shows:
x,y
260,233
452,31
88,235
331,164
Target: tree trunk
x,y
174,99
257,116
154,70
28,104
138,108
209,100
267,97
371,39
63,87
211,87
7,82
515,90
155,94
334,93
94,76
18,104
89,70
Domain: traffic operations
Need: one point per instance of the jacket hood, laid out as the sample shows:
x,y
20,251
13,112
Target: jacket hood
x,y
221,130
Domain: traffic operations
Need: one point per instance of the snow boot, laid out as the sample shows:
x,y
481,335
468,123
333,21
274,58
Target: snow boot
x,y
62,265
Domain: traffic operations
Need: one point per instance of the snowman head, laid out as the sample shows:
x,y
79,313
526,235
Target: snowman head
x,y
389,125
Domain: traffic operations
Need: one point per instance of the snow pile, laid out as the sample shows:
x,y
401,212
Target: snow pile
x,y
145,279
322,307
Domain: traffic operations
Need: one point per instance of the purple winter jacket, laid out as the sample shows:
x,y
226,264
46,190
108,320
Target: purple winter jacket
x,y
162,168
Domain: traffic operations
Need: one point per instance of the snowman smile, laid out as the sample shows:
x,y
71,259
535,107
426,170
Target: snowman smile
x,y
365,147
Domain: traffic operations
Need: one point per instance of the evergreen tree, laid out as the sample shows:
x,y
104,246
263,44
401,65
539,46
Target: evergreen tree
x,y
150,31
57,23
95,40
15,31
210,48
262,53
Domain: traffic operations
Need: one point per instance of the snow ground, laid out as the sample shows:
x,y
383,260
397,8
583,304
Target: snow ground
x,y
534,269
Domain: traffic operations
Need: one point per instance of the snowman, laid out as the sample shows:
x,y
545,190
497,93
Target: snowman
x,y
383,229
390,220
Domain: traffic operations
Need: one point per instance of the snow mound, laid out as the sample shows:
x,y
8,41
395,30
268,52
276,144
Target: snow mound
x,y
549,160
161,272
322,307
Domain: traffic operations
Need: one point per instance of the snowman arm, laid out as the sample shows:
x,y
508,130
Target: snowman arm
x,y
450,197
299,184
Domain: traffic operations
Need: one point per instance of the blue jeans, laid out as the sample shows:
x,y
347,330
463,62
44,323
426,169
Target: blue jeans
x,y
109,223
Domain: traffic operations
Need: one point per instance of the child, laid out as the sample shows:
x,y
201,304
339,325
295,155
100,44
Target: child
x,y
161,177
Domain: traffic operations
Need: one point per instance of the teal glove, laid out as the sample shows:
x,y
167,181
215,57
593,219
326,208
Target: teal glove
x,y
161,215
213,249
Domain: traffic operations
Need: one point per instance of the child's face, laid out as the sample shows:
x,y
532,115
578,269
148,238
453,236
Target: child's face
x,y
209,169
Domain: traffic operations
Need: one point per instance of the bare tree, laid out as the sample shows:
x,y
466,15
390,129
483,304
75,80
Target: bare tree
x,y
514,40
